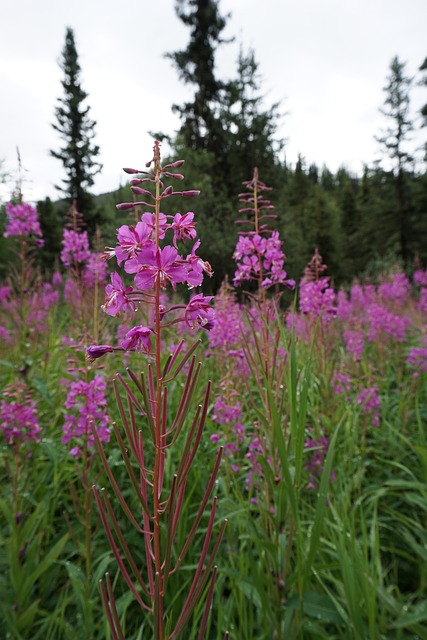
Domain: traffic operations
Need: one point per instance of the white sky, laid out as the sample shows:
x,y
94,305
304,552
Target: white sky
x,y
326,60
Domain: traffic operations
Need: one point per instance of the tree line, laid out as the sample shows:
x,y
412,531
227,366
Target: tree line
x,y
361,224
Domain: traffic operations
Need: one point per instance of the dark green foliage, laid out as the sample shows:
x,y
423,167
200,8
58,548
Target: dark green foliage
x,y
225,119
51,224
201,127
394,143
76,129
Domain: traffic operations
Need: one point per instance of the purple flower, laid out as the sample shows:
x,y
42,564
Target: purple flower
x,y
199,312
86,403
370,402
137,339
18,415
95,271
196,268
417,358
164,264
22,220
354,343
420,277
150,220
117,299
76,247
184,227
132,240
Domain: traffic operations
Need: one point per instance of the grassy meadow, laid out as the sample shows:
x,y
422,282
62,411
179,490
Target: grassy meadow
x,y
310,522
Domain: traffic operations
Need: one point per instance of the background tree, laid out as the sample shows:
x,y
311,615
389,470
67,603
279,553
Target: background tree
x,y
225,130
78,152
394,143
423,82
201,126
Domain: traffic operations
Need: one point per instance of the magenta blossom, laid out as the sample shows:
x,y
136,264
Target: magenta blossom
x,y
22,220
184,227
18,415
196,268
86,403
117,297
131,241
137,339
164,264
199,312
150,220
75,247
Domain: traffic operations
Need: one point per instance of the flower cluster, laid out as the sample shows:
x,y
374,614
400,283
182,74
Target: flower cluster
x,y
22,220
86,404
143,251
370,402
18,415
258,252
75,247
417,359
317,298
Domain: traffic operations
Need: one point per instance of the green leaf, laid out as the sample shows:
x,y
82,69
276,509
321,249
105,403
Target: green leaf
x,y
316,606
417,614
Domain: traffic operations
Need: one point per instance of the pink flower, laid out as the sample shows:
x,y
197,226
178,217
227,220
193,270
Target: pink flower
x,y
150,220
137,339
117,297
196,268
199,312
131,241
164,264
184,227
86,403
18,415
76,247
22,220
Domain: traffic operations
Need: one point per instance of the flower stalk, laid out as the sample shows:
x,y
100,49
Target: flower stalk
x,y
144,252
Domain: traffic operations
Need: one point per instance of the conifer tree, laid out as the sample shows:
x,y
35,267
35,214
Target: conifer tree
x,y
394,142
200,123
78,152
423,82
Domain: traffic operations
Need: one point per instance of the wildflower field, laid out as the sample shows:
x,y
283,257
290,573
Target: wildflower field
x,y
177,465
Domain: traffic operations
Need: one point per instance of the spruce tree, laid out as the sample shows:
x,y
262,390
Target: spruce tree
x,y
200,123
394,143
423,82
78,152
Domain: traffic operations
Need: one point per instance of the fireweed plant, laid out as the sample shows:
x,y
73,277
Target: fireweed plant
x,y
145,253
260,263
263,416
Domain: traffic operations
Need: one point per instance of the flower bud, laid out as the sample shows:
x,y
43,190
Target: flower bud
x,y
174,165
176,176
128,170
97,351
140,191
124,206
190,194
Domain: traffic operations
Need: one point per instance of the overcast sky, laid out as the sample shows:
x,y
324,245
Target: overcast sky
x,y
325,60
